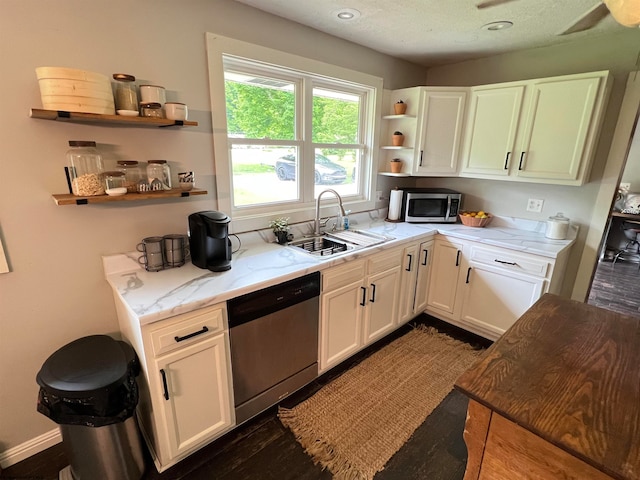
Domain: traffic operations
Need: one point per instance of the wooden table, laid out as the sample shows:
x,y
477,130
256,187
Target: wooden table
x,y
557,397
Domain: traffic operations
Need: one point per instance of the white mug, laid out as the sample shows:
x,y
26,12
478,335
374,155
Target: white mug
x,y
176,111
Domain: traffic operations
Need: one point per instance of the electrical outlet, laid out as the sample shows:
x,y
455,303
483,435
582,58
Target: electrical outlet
x,y
534,205
379,196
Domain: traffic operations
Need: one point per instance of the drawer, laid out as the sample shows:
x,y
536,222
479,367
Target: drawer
x,y
385,260
511,261
346,274
186,329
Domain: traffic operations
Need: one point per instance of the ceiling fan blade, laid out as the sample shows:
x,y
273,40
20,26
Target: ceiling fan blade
x,y
491,3
588,20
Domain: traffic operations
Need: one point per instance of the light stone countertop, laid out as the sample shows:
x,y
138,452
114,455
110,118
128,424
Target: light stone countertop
x,y
259,263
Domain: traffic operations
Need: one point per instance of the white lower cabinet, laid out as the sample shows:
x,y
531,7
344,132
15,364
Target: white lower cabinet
x,y
358,305
416,262
186,397
485,289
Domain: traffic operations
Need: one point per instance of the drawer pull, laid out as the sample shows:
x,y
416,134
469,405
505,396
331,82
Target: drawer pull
x,y
408,269
468,273
164,384
458,258
506,161
364,296
505,263
426,253
373,293
194,334
421,152
521,158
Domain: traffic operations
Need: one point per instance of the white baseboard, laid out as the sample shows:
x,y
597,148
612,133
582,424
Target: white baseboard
x,y
29,448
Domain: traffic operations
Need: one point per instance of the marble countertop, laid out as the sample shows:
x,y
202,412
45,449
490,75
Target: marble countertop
x,y
259,262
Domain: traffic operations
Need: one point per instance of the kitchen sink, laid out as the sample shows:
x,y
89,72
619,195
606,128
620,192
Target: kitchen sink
x,y
338,242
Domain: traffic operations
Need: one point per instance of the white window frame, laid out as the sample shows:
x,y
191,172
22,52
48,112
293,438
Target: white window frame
x,y
256,218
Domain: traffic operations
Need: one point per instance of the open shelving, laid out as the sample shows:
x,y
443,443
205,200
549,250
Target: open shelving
x,y
118,120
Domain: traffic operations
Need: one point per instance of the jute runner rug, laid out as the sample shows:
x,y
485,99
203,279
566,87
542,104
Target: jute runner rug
x,y
355,424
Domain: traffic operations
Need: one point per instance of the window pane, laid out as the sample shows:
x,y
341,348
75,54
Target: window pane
x,y
263,174
336,168
259,107
335,117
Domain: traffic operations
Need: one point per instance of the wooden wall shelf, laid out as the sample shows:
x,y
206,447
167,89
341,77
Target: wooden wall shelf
x,y
69,199
119,120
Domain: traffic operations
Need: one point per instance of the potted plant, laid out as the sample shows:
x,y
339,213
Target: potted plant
x,y
400,108
280,227
396,165
397,139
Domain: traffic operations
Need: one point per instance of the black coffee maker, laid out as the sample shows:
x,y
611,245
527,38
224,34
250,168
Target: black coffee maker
x,y
209,240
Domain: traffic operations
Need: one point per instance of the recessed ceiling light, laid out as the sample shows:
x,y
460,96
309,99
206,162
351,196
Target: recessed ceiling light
x,y
493,26
347,13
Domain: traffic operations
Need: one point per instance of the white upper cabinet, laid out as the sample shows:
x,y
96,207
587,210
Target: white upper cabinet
x,y
543,130
492,125
440,126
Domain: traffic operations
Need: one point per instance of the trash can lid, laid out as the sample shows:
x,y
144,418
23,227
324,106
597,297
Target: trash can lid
x,y
85,366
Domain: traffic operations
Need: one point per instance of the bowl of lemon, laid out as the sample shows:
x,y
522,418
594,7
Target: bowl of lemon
x,y
475,219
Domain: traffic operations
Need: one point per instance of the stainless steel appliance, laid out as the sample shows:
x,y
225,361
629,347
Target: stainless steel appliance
x,y
425,205
209,240
274,343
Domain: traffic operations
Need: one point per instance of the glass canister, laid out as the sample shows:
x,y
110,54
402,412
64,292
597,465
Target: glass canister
x,y
85,168
126,95
132,174
159,170
151,109
114,183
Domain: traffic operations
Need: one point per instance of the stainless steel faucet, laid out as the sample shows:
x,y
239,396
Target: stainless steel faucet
x,y
316,222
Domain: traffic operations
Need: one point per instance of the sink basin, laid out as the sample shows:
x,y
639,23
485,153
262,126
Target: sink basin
x,y
338,242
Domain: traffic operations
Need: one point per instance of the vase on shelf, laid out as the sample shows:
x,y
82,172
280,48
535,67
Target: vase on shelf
x,y
396,165
400,108
397,139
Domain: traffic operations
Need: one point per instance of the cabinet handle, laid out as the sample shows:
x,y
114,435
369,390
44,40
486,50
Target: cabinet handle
x,y
408,269
421,152
426,252
521,158
505,263
186,337
373,293
468,273
164,384
506,161
364,296
458,258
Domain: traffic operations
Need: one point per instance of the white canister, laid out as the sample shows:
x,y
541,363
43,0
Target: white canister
x,y
557,227
175,111
153,93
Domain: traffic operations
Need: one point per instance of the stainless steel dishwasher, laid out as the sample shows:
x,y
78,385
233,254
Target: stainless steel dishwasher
x,y
274,343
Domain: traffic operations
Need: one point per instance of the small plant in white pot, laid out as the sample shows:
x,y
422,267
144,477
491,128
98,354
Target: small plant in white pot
x,y
280,227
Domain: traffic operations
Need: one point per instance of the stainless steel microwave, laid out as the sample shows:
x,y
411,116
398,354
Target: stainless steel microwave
x,y
437,205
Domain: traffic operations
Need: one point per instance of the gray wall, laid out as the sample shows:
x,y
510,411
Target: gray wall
x,y
56,290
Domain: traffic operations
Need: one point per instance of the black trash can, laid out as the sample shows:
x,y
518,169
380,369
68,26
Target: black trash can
x,y
88,387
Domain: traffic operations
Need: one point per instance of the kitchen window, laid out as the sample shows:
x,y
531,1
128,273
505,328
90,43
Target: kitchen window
x,y
290,128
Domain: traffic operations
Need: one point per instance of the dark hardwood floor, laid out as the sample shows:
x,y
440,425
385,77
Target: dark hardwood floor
x,y
263,449
616,287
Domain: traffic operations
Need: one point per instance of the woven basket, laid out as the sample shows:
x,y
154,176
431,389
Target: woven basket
x,y
475,222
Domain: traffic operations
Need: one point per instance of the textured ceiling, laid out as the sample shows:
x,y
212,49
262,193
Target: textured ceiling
x,y
436,32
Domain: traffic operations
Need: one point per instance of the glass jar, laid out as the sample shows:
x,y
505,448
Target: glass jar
x,y
85,168
159,170
114,183
151,109
126,96
132,174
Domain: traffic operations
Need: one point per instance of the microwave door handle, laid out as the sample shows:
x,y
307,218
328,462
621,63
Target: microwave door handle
x,y
448,214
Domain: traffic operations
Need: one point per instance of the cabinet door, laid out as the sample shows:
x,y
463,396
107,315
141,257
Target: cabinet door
x,y
439,132
409,274
341,312
557,129
425,257
494,299
492,124
382,304
194,393
443,284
